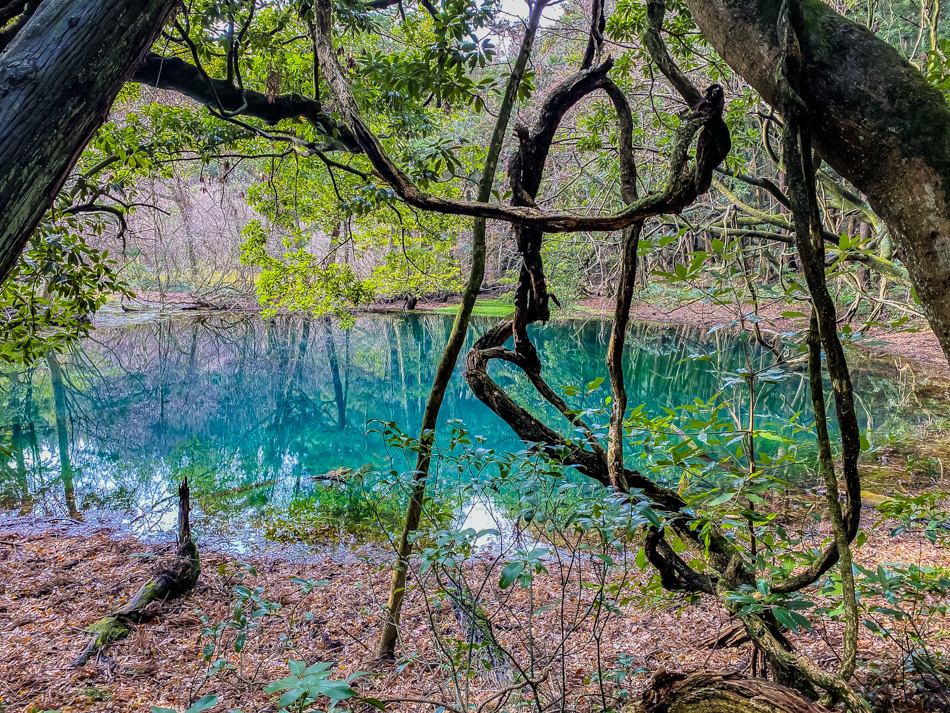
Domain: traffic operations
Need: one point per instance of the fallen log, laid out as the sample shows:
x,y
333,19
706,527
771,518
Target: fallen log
x,y
172,582
724,692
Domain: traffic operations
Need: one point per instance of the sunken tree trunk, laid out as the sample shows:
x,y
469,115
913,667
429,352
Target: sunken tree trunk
x,y
172,582
876,120
59,75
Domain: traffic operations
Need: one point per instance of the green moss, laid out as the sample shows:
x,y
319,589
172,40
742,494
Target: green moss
x,y
108,630
484,308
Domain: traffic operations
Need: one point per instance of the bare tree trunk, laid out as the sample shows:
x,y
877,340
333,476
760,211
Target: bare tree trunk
x,y
618,336
397,591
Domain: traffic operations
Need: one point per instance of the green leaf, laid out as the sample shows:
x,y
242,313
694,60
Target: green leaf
x,y
595,384
289,697
510,573
652,517
720,499
793,620
280,685
203,704
335,690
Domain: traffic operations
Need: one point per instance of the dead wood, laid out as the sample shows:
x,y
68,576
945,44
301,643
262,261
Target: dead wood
x,y
174,581
729,692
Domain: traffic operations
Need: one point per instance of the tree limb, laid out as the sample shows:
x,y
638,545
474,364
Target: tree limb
x,y
174,74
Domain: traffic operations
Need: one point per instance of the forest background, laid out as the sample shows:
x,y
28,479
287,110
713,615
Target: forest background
x,y
254,171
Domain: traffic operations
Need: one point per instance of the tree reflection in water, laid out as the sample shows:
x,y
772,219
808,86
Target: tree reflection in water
x,y
253,411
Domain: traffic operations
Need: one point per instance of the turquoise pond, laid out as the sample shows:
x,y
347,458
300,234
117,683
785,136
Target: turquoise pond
x,y
253,411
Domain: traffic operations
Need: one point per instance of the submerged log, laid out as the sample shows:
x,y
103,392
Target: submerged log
x,y
722,693
170,583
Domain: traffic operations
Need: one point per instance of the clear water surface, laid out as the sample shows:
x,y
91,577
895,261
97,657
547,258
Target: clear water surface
x,y
254,411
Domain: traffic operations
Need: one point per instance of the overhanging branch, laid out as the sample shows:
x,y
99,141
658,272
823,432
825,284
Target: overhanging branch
x,y
174,74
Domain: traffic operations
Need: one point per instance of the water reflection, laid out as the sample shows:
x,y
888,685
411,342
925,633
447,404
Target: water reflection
x,y
255,411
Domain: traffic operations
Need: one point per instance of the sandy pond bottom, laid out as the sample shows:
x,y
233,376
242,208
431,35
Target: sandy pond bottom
x,y
57,577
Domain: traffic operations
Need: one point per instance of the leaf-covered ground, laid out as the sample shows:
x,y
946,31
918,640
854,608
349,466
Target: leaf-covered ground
x,y
57,577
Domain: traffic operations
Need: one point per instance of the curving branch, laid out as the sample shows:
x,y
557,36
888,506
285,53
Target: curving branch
x,y
809,240
656,11
174,74
630,241
678,192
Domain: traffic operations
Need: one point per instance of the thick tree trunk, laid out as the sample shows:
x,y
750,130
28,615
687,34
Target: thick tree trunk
x,y
722,693
875,120
58,79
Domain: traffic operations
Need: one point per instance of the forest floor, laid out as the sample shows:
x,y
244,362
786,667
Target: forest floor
x,y
58,576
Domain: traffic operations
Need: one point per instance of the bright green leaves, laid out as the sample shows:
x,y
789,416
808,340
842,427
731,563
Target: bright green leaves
x,y
529,562
202,704
301,282
58,284
785,608
306,685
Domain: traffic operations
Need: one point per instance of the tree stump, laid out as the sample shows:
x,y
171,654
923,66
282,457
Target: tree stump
x,y
172,582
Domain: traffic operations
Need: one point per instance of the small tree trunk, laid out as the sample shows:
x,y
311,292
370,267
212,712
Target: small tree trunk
x,y
397,590
618,336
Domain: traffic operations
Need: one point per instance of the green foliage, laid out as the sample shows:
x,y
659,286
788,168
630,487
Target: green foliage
x,y
301,282
59,283
202,704
306,685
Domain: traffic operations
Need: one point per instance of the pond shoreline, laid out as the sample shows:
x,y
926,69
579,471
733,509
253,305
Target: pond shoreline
x,y
55,584
918,347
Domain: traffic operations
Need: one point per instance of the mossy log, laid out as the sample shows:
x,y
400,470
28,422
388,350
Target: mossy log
x,y
170,583
722,693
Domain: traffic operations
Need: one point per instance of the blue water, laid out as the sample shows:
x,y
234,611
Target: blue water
x,y
252,410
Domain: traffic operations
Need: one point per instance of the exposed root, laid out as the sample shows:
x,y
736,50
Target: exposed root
x,y
722,693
